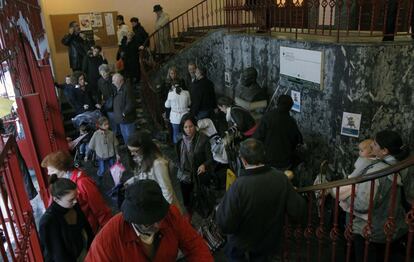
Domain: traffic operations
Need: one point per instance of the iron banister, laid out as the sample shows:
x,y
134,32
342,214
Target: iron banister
x,y
406,163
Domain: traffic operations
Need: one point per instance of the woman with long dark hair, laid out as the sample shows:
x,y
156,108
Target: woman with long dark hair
x,y
64,231
149,163
194,158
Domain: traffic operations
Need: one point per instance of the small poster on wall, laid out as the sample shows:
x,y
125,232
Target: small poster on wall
x,y
109,22
85,22
350,124
296,100
96,20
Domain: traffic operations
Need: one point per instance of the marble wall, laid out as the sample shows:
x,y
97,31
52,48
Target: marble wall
x,y
375,80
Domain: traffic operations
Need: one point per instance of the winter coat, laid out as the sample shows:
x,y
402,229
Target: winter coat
x,y
140,34
179,104
124,105
280,135
106,89
77,48
163,38
90,68
130,57
203,96
122,32
202,151
90,200
253,211
60,241
119,242
81,98
381,203
104,143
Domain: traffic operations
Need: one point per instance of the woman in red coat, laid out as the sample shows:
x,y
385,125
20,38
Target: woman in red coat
x,y
90,199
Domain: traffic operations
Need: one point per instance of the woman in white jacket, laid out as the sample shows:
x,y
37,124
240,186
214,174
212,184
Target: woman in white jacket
x,y
179,102
150,164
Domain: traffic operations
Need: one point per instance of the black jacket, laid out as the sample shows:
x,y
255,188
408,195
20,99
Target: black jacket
x,y
90,68
280,135
203,96
252,212
77,48
62,242
202,152
130,56
106,89
81,98
124,105
140,34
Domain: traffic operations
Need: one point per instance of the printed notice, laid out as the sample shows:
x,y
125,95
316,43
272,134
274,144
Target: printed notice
x,y
296,100
85,22
109,23
350,124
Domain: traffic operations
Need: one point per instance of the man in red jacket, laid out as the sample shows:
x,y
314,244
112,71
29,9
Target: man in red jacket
x,y
147,229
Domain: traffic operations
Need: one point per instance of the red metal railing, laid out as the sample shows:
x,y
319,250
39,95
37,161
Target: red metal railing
x,y
323,240
18,236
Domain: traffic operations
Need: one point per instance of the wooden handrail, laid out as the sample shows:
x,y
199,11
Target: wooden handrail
x,y
368,177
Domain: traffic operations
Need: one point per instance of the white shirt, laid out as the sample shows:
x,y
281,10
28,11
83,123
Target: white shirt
x,y
179,104
121,32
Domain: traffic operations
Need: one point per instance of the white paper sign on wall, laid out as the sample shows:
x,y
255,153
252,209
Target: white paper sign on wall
x,y
301,64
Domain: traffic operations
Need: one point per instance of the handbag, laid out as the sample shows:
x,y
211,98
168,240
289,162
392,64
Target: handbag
x,y
119,65
211,234
203,198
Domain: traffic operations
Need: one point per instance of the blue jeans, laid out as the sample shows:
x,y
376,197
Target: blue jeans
x,y
112,123
84,149
176,133
127,130
104,164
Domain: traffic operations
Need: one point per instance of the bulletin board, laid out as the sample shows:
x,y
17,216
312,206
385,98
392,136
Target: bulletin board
x,y
99,25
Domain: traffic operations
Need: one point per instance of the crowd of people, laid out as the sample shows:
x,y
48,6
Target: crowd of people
x,y
161,195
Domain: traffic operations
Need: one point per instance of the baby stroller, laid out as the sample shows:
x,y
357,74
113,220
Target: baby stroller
x,y
87,122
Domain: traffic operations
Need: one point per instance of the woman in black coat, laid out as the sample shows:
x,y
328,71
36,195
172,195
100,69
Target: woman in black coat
x,y
130,56
90,67
65,234
194,159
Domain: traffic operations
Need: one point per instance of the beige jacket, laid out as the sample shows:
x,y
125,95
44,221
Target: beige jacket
x,y
104,143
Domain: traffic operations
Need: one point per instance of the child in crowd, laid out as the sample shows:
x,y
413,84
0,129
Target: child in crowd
x,y
104,143
365,159
84,149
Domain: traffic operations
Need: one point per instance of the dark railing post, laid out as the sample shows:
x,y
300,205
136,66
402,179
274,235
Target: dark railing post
x,y
389,227
367,231
348,231
409,219
334,234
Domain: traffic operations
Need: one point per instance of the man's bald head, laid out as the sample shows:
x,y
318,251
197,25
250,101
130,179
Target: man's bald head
x,y
117,80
